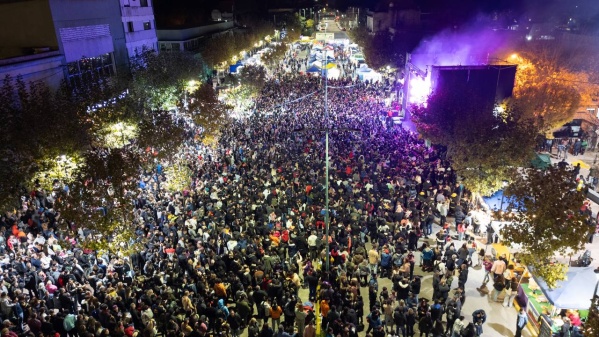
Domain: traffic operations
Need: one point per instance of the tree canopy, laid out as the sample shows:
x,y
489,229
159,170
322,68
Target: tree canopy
x,y
382,49
87,144
160,80
547,219
552,84
36,127
484,147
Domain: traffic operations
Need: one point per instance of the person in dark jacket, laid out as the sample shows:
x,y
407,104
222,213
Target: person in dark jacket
x,y
425,325
416,285
410,321
438,329
463,277
469,331
399,318
266,331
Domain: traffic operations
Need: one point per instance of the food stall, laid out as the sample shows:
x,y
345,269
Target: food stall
x,y
571,297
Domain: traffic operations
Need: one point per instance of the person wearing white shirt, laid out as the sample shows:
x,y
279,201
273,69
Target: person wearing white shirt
x,y
312,239
458,326
39,240
46,261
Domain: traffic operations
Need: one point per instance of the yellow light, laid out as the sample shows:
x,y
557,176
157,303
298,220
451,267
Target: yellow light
x,y
514,56
119,134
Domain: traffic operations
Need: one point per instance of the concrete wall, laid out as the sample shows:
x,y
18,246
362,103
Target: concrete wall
x,y
46,67
25,24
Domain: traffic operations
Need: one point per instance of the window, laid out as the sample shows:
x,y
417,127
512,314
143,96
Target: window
x,y
147,25
143,3
87,69
126,3
130,26
176,46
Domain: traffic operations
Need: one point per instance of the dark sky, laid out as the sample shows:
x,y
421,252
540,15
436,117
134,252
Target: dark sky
x,y
193,12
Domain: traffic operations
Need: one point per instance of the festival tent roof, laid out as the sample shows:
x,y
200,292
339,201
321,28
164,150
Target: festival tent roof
x,y
233,67
575,292
333,73
313,69
494,201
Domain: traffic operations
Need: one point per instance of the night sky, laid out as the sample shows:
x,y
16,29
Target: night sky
x,y
178,13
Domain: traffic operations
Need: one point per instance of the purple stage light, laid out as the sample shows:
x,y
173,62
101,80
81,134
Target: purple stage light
x,y
420,89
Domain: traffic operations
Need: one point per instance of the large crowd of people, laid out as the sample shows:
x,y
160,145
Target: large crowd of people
x,y
231,252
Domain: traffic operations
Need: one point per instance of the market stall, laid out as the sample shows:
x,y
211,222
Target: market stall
x,y
366,74
571,297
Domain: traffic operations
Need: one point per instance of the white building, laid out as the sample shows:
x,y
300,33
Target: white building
x,y
140,26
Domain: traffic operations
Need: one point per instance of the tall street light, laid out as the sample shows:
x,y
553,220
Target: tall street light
x,y
327,220
327,163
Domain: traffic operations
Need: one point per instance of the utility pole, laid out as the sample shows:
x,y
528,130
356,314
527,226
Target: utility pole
x,y
326,118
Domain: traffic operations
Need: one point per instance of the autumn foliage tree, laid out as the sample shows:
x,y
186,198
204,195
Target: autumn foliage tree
x,y
550,85
483,147
547,219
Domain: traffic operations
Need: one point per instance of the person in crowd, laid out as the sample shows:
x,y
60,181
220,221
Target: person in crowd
x,y
239,238
521,322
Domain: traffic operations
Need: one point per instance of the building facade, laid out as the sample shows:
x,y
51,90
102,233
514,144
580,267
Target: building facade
x,y
139,25
189,39
72,39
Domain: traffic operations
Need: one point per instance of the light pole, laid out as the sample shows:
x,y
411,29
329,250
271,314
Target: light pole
x,y
326,145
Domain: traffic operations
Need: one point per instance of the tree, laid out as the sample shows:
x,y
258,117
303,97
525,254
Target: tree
x,y
382,49
207,112
277,53
160,80
253,77
547,219
483,147
217,50
160,135
36,127
294,28
591,326
99,201
552,83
